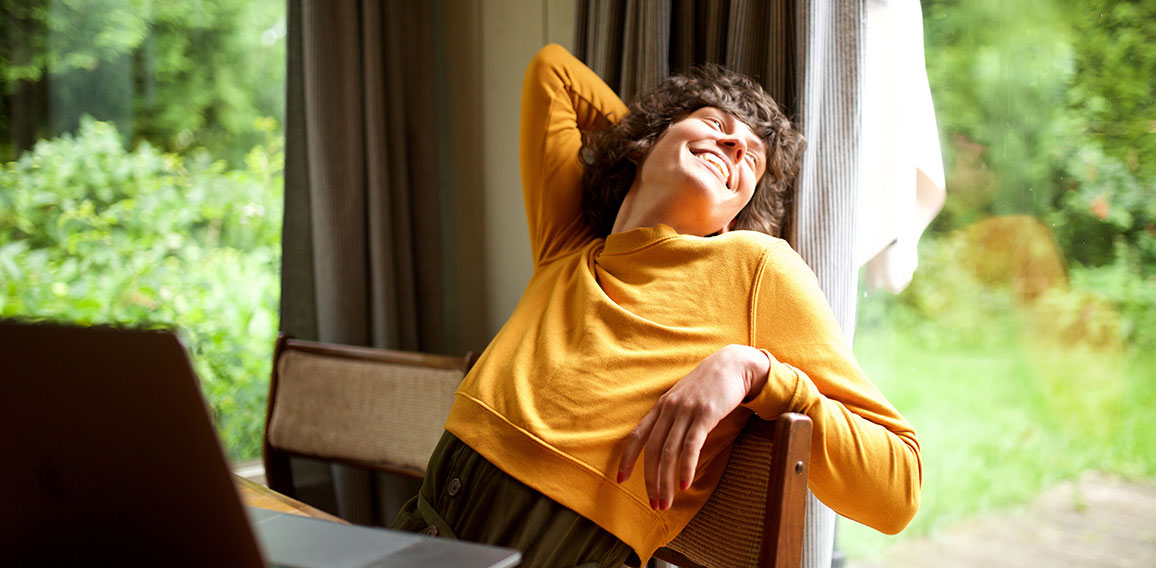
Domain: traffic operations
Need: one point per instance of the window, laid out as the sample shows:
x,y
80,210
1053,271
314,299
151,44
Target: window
x,y
141,179
1023,349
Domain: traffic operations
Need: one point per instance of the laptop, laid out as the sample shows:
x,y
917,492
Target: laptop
x,y
108,457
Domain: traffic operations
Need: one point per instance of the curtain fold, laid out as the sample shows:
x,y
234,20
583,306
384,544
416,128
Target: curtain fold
x,y
808,54
361,251
361,246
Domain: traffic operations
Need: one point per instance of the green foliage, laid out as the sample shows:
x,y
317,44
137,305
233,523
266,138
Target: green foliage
x,y
1132,294
181,75
1011,396
999,73
92,233
1105,206
1109,306
1113,87
67,35
945,306
1048,109
215,68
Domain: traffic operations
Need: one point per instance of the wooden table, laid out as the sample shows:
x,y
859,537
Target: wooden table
x,y
256,495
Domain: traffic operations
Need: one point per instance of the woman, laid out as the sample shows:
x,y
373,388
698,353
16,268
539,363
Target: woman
x,y
650,330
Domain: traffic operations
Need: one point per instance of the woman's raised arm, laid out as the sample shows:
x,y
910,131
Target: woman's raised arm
x,y
561,97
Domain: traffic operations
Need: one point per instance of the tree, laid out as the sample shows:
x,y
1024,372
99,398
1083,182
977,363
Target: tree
x,y
178,74
999,73
1113,84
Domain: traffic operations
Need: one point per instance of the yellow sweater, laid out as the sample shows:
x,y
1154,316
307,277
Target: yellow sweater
x,y
607,326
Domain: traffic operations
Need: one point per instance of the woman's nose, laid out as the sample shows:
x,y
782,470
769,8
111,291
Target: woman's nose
x,y
735,146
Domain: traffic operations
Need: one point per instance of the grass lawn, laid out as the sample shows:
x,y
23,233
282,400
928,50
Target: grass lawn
x,y
1000,422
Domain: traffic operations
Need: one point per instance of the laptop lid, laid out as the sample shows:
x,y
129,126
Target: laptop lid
x,y
109,454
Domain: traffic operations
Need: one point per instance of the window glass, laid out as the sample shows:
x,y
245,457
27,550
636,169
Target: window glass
x,y
141,178
1024,348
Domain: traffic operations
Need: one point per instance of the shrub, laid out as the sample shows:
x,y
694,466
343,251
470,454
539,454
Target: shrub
x,y
1105,205
93,233
945,305
1129,289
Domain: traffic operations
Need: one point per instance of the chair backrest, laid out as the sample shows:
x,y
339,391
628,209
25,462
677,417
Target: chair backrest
x,y
756,515
378,409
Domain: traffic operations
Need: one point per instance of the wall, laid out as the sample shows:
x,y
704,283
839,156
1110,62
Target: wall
x,y
484,48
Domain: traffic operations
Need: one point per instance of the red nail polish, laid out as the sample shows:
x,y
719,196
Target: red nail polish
x,y
664,504
621,477
654,504
684,485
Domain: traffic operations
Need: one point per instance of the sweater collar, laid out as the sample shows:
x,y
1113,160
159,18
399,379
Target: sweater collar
x,y
635,239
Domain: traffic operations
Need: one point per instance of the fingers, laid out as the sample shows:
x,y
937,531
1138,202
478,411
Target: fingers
x,y
669,457
674,430
654,455
662,434
635,441
691,448
671,453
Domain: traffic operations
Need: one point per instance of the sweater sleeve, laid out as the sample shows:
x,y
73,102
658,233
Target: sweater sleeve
x,y
561,97
865,460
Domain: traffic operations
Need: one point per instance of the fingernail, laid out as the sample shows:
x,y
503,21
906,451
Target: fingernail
x,y
621,477
684,485
664,504
654,504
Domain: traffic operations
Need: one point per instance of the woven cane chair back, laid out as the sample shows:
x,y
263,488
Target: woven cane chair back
x,y
373,408
755,517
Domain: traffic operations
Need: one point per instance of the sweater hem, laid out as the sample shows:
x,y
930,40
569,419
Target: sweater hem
x,y
572,483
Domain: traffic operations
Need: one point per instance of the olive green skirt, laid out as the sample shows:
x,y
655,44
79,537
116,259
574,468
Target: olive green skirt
x,y
466,497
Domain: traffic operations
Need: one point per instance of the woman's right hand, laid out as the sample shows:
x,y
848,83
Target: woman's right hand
x,y
674,431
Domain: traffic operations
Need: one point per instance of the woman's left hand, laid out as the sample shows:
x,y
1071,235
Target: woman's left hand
x,y
674,431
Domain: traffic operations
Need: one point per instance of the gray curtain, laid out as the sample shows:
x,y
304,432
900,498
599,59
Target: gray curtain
x,y
361,236
361,258
808,54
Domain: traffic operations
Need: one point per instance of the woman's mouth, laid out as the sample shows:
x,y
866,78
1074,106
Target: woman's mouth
x,y
718,164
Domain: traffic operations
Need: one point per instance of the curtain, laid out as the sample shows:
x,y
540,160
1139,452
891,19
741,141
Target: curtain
x,y
361,260
361,235
808,54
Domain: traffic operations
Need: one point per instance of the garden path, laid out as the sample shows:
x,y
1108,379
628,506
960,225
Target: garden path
x,y
1096,521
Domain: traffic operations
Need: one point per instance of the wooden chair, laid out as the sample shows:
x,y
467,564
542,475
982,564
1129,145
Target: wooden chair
x,y
755,517
377,409
348,405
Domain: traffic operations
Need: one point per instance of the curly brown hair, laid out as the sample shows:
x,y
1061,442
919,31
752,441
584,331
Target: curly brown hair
x,y
613,154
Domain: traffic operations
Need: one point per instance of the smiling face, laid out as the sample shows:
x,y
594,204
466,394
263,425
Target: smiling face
x,y
697,176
